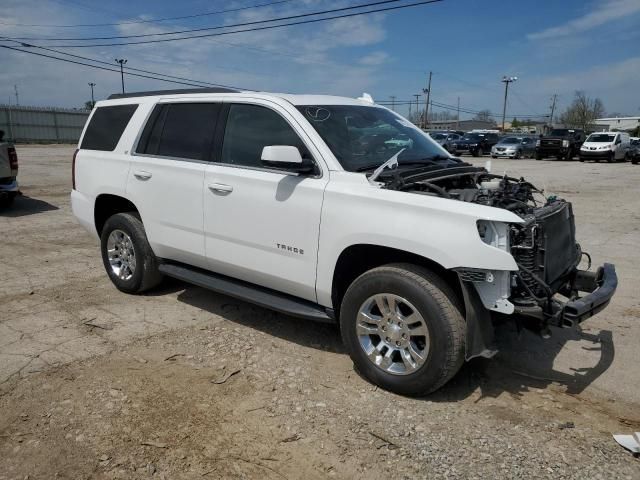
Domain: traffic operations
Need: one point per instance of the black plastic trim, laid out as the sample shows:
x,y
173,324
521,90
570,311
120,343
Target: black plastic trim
x,y
255,294
177,91
602,286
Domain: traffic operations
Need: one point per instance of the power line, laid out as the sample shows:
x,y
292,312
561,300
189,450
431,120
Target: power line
x,y
217,27
81,57
454,107
115,70
267,27
157,20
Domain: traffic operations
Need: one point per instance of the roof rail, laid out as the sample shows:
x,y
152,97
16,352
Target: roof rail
x,y
151,93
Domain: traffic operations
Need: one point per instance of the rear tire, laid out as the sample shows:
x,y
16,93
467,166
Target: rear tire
x,y
383,348
126,254
538,156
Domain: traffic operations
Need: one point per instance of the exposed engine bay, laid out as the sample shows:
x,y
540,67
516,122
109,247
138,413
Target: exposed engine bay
x,y
543,246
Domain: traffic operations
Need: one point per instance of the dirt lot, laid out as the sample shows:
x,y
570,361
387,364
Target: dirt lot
x,y
184,383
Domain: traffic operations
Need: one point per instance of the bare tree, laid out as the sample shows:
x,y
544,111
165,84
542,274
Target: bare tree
x,y
484,116
583,111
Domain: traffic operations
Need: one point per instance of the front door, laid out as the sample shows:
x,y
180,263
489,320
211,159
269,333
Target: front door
x,y
262,225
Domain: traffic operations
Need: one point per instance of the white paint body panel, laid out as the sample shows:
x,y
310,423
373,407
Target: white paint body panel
x,y
232,220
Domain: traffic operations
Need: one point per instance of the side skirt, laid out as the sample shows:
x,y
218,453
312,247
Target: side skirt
x,y
249,292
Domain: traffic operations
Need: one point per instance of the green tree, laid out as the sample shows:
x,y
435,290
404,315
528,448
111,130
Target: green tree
x,y
515,123
88,105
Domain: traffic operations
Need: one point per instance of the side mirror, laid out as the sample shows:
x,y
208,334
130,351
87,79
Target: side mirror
x,y
286,157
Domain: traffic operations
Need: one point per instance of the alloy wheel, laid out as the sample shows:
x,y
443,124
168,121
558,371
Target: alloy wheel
x,y
393,334
121,254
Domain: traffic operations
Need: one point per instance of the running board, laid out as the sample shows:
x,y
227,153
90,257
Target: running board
x,y
255,294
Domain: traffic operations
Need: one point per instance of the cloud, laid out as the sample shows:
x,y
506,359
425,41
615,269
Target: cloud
x,y
295,59
374,58
600,13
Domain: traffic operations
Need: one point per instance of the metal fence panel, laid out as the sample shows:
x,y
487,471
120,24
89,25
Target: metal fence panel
x,y
42,124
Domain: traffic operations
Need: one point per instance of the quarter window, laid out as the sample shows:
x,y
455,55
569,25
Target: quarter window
x,y
182,130
106,127
249,129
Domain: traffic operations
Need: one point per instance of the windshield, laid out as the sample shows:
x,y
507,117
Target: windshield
x,y
511,140
601,138
439,136
473,137
561,132
361,136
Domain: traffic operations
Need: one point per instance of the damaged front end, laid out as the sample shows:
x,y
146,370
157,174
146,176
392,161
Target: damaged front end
x,y
548,287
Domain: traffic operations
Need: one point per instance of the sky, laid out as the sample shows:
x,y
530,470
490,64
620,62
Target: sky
x,y
553,47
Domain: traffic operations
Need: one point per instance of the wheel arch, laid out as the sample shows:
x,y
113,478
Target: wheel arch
x,y
356,259
107,205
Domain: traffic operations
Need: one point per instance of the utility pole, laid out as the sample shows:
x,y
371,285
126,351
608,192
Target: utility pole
x,y
458,116
15,87
393,102
121,61
553,108
506,80
427,91
417,95
93,102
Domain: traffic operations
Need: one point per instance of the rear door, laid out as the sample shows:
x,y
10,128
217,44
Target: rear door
x,y
262,224
166,178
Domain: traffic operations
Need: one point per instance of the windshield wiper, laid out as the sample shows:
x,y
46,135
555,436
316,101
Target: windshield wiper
x,y
391,163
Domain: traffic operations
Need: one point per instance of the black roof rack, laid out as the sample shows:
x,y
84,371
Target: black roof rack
x,y
151,93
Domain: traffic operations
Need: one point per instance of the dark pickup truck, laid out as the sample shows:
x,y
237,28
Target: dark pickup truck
x,y
561,143
477,144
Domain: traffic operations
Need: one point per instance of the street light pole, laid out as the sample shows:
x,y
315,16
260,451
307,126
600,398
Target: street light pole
x,y
93,102
121,61
506,80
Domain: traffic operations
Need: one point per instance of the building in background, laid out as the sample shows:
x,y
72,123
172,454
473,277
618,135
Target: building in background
x,y
464,125
619,123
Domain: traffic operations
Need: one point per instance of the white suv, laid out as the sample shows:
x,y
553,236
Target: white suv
x,y
302,204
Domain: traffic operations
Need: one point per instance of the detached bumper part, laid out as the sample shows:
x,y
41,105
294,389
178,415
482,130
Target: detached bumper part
x,y
600,287
601,284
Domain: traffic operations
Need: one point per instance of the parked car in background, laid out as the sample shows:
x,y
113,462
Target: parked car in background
x,y
634,151
609,146
477,144
446,139
514,147
8,172
561,143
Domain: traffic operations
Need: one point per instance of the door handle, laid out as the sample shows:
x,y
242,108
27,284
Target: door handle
x,y
142,175
220,188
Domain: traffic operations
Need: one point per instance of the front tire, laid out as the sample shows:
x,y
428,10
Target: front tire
x,y
127,255
403,328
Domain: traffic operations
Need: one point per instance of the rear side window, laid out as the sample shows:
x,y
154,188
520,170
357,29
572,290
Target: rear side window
x,y
181,130
106,127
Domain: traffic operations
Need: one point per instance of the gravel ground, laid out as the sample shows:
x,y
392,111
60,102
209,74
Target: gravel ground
x,y
183,383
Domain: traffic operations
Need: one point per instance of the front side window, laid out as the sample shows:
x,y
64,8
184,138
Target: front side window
x,y
249,129
363,137
106,127
180,130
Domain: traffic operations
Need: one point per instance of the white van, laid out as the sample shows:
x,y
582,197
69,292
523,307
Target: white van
x,y
609,146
